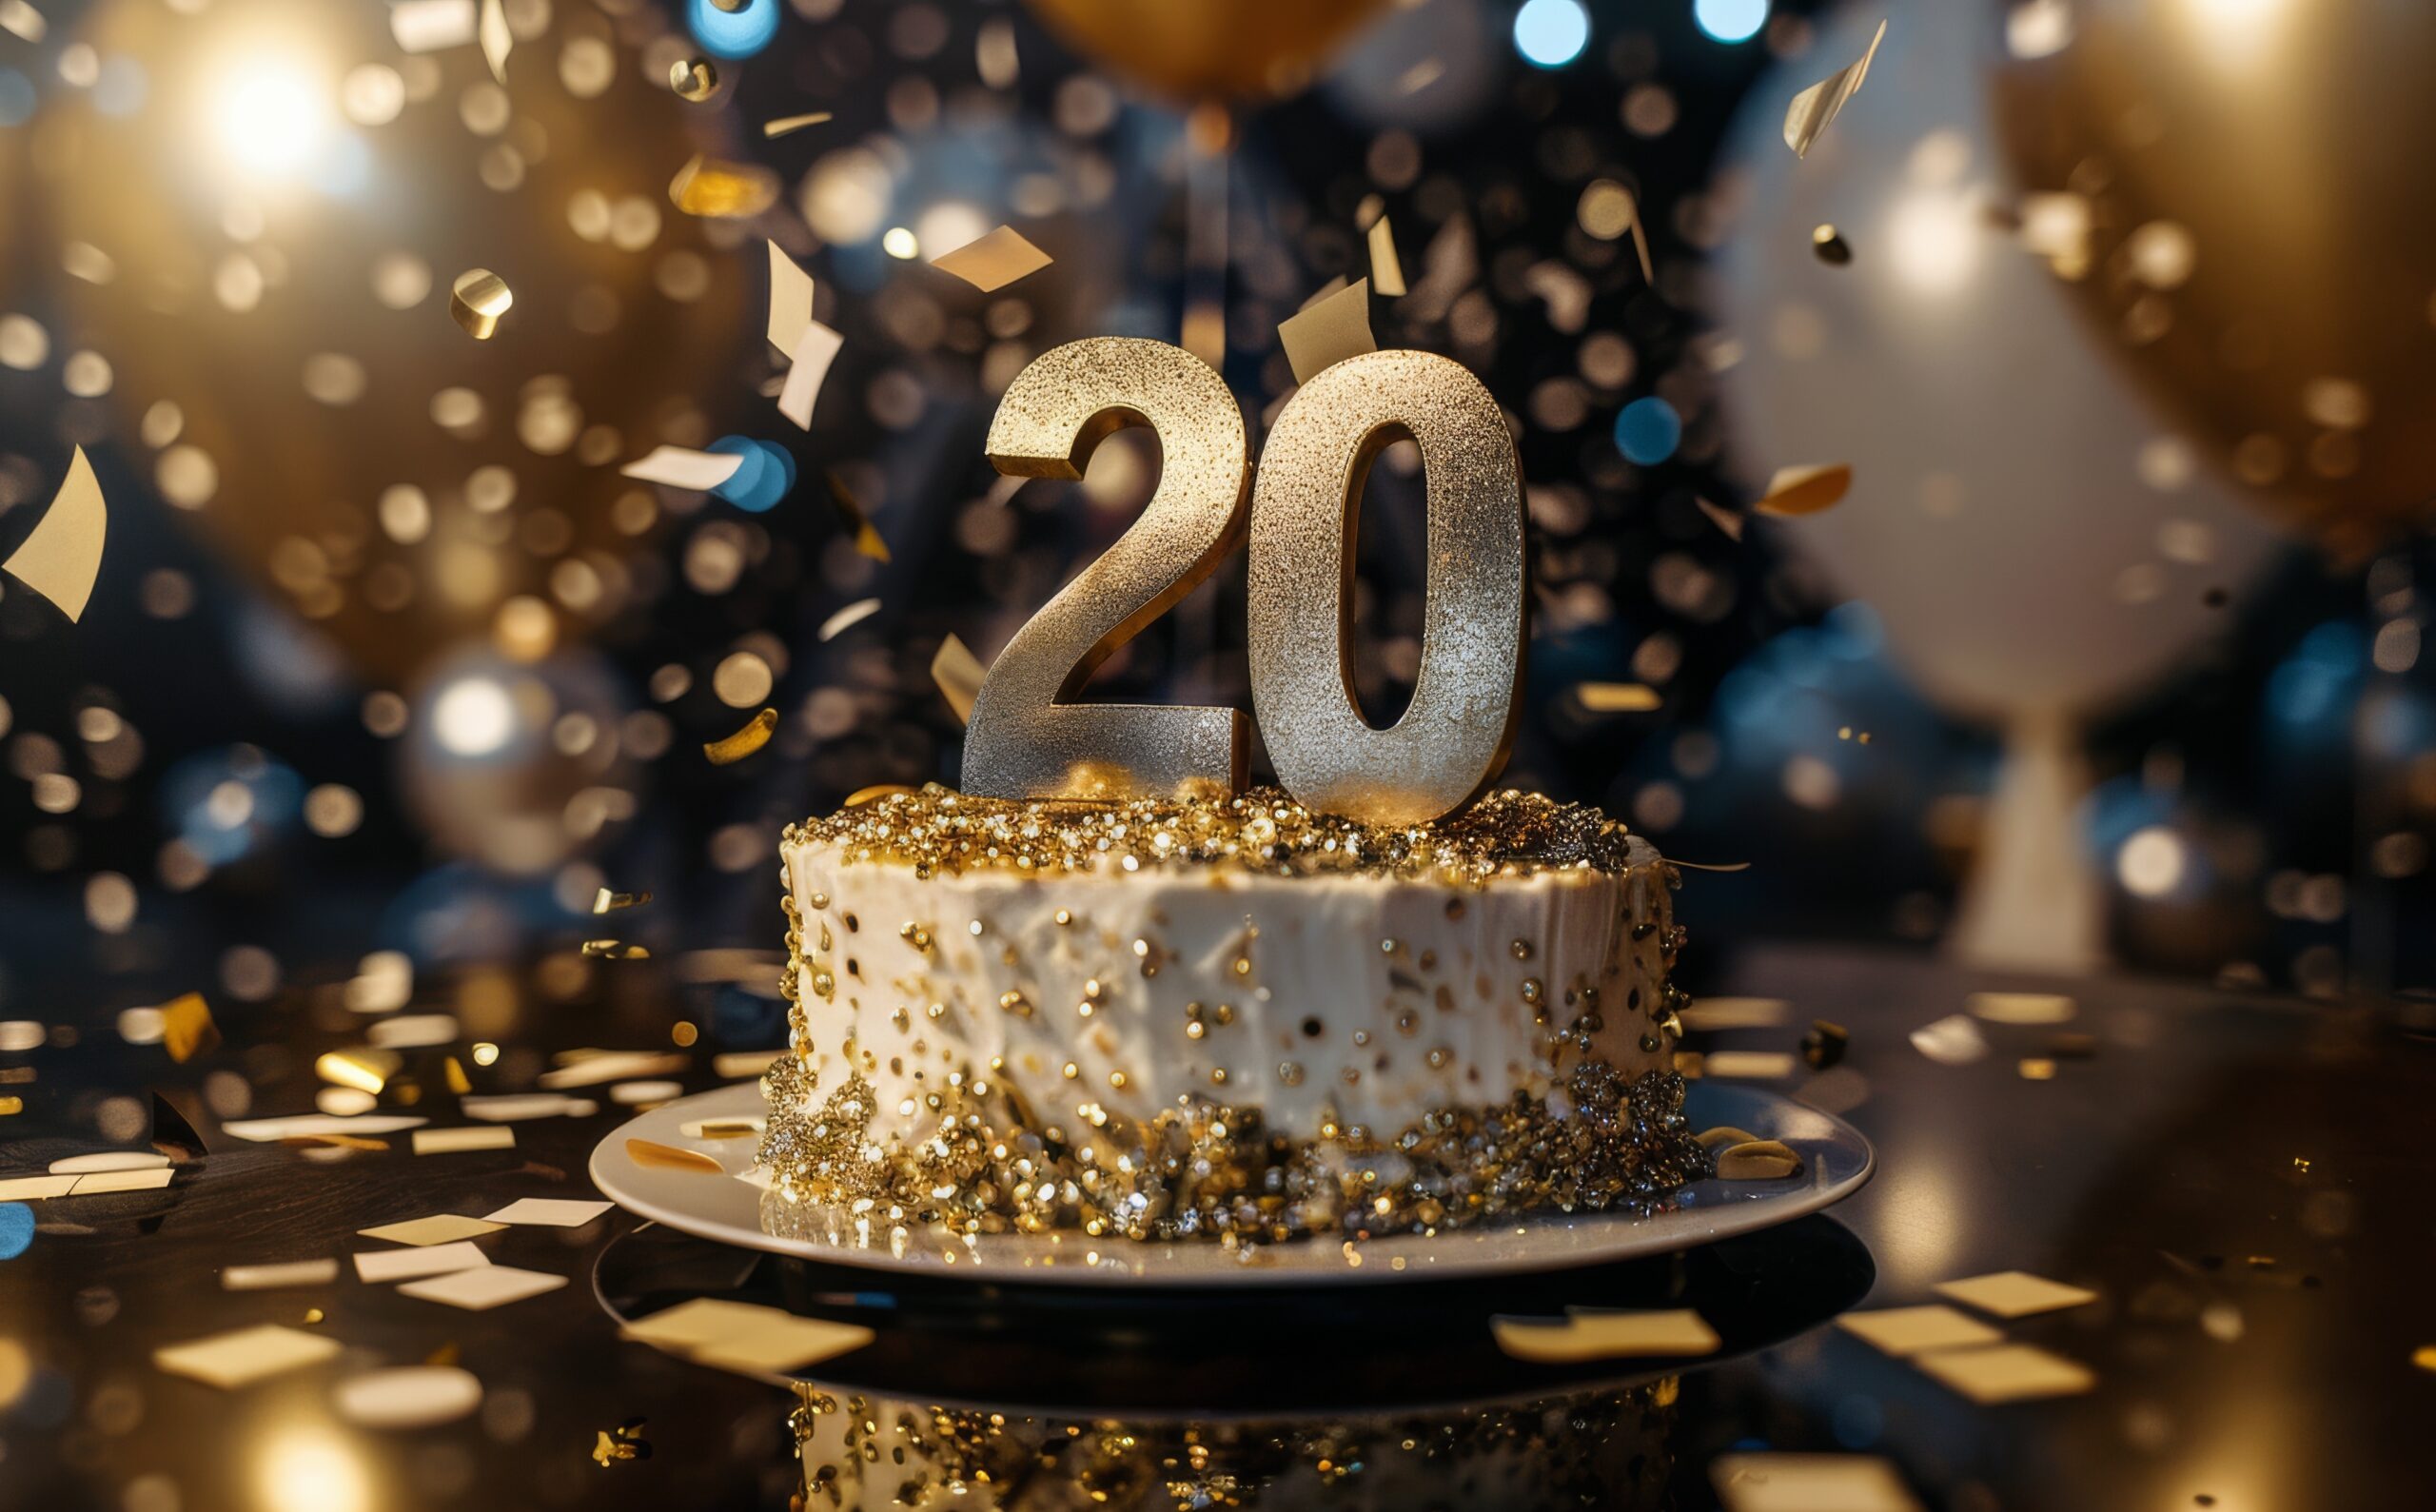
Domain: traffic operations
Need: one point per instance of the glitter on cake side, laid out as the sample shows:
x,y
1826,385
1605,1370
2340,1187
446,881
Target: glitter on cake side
x,y
1228,1018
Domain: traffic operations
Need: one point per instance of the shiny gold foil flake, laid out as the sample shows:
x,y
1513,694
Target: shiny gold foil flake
x,y
365,1069
625,1441
1329,329
693,79
846,618
656,1156
62,558
1813,107
959,674
615,951
187,1028
755,735
993,262
788,125
868,541
1805,490
1617,698
1598,1334
875,793
680,467
718,190
11,1106
497,40
479,300
1387,271
604,901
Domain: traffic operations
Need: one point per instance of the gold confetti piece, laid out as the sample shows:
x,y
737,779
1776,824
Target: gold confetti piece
x,y
2035,1068
497,40
1829,246
333,1142
1617,698
788,124
668,1157
790,290
279,1276
593,1068
1386,272
1724,520
2014,1293
1724,1134
457,1141
1809,1483
22,20
35,1189
695,79
453,1073
1805,490
266,1130
440,1228
1736,1012
109,1180
1585,1334
877,791
479,300
432,26
807,369
681,467
604,901
244,1356
783,1343
1814,106
63,557
615,950
2006,1372
718,190
1901,1332
186,1029
2022,1008
627,1441
958,673
993,262
381,1267
365,1069
550,1213
867,538
2425,1357
846,618
1757,1065
480,1289
408,1396
11,1106
1758,1160
724,1128
1328,330
755,735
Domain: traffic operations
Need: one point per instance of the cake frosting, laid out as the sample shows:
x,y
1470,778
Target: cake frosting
x,y
1228,1016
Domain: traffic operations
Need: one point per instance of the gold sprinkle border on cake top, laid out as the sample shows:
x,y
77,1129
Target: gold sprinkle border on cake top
x,y
1264,831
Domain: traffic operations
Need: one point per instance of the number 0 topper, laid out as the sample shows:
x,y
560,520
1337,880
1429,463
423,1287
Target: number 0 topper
x,y
1025,741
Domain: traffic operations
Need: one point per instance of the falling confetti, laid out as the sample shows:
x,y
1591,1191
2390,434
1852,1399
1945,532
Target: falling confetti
x,y
615,951
867,538
186,1029
807,369
695,79
786,125
497,40
721,191
431,26
993,262
958,673
1805,490
679,467
668,1157
479,300
63,558
1335,326
1587,1334
1617,698
1386,272
846,618
755,735
626,1442
1814,106
604,901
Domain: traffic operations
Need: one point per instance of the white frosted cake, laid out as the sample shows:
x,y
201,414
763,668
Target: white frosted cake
x,y
1231,1018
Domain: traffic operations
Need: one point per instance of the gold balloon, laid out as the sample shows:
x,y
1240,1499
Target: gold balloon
x,y
2259,215
1195,51
287,222
1025,740
1456,731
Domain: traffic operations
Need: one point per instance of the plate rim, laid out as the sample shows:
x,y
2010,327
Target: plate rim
x,y
1745,1216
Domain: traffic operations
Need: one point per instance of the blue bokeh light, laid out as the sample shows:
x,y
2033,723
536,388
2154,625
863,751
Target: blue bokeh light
x,y
1730,20
764,477
1648,430
1551,34
18,98
16,1229
733,35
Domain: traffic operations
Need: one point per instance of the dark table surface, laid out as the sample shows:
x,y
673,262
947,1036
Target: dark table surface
x,y
2244,1180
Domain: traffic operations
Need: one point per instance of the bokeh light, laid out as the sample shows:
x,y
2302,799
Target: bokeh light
x,y
1648,430
270,116
1551,34
1730,20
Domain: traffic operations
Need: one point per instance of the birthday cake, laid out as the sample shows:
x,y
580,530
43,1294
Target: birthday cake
x,y
1231,1018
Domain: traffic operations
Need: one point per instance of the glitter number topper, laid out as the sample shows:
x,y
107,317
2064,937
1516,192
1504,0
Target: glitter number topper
x,y
1029,739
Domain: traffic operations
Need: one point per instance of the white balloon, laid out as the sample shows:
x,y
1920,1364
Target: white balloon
x,y
2033,540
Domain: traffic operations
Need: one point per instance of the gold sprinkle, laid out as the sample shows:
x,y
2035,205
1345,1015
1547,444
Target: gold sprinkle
x,y
1617,698
479,300
1519,949
755,735
186,1029
63,557
1071,1071
787,124
877,791
11,1106
1806,490
2037,1069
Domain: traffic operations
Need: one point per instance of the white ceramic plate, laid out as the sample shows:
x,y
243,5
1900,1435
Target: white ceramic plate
x,y
1835,1161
